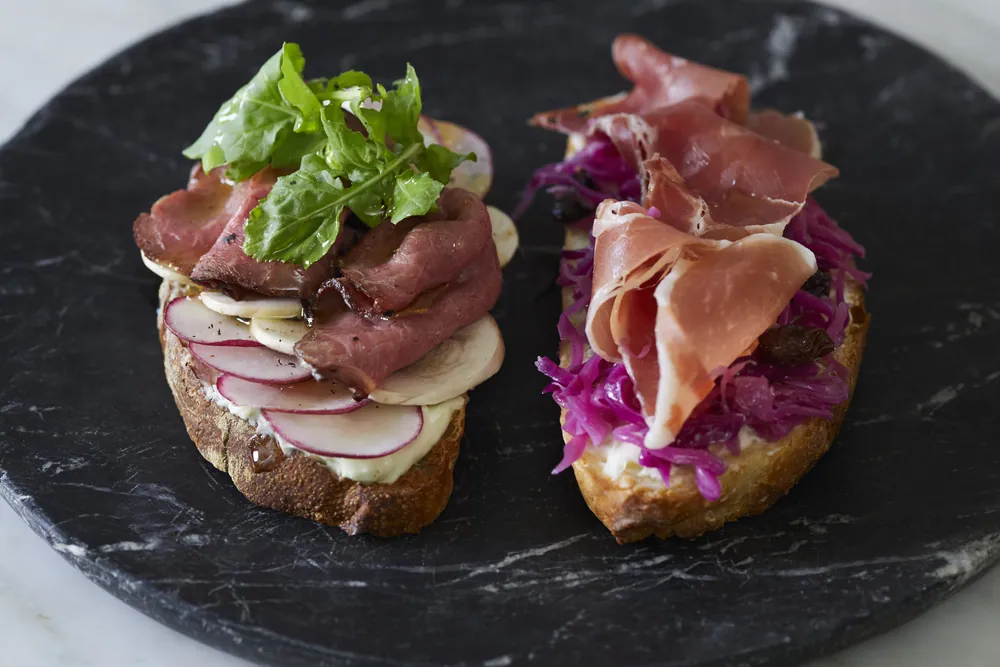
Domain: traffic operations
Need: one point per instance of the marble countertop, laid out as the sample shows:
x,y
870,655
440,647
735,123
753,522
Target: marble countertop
x,y
50,614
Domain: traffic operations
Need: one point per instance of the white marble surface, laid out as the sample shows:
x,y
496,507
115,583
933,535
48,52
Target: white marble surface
x,y
51,615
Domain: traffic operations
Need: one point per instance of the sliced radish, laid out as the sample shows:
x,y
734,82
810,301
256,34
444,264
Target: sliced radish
x,y
467,359
190,320
308,398
373,431
475,176
428,128
279,335
257,364
504,234
164,271
248,308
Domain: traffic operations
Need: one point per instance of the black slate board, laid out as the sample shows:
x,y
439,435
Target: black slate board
x,y
901,512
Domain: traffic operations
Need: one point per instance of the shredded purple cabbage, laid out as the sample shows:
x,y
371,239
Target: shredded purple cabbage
x,y
599,397
607,170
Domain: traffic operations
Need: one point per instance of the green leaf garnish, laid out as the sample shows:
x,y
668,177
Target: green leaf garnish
x,y
295,92
301,215
416,194
402,108
257,121
288,122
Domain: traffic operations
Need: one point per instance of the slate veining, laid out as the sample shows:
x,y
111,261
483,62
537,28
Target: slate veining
x,y
516,571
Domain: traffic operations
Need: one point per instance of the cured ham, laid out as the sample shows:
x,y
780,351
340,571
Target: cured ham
x,y
749,182
677,309
393,264
660,79
344,345
751,171
791,131
631,250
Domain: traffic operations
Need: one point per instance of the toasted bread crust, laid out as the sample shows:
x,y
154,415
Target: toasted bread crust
x,y
302,485
761,474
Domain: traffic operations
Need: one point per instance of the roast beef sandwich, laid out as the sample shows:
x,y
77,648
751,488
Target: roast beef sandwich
x,y
328,274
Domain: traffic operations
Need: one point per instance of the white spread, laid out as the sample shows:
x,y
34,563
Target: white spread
x,y
621,458
381,470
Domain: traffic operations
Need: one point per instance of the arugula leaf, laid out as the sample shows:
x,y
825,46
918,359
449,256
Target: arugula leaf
x,y
344,86
414,194
279,118
289,152
300,217
299,220
350,152
439,162
251,126
401,109
294,90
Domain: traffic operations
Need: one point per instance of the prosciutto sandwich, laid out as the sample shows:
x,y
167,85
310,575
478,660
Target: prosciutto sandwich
x,y
714,315
328,274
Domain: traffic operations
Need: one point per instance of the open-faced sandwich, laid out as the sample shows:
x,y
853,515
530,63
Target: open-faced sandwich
x,y
714,315
326,295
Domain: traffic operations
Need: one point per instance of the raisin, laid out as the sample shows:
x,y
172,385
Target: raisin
x,y
584,179
570,209
818,283
792,344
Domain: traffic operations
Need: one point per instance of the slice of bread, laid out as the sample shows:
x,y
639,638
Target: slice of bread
x,y
635,506
299,484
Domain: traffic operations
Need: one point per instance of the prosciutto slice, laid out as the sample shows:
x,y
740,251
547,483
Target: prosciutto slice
x,y
344,345
660,79
734,172
393,264
748,182
631,250
791,131
182,226
225,263
677,309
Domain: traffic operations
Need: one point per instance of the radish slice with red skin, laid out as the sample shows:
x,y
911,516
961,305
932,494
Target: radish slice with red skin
x,y
257,364
305,398
371,432
476,177
427,127
192,321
